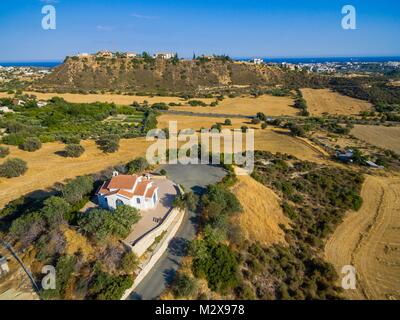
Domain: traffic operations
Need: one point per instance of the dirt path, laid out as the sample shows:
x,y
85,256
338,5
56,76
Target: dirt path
x,y
369,240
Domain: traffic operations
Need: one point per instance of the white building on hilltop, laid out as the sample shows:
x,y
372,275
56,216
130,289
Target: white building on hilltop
x,y
166,56
258,61
135,191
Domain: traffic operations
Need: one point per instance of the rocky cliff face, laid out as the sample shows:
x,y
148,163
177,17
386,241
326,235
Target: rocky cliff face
x,y
155,75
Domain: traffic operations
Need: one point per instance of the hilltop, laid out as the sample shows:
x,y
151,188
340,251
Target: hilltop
x,y
160,75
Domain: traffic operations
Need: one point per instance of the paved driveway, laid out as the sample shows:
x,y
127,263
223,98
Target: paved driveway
x,y
196,178
152,218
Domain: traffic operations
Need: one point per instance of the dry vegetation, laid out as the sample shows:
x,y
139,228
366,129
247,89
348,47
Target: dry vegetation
x,y
108,97
196,122
369,240
262,212
380,136
46,167
248,106
326,101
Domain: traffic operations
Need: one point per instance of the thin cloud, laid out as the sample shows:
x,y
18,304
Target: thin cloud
x,y
50,1
141,16
104,28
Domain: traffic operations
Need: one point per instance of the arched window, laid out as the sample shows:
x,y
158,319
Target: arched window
x,y
119,203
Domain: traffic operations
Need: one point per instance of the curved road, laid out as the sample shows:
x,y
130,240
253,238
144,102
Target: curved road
x,y
191,177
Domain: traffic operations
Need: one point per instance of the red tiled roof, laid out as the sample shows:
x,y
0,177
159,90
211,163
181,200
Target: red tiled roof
x,y
141,188
122,182
150,192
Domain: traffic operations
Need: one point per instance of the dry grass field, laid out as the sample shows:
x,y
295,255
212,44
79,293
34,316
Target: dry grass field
x,y
379,136
116,98
262,212
326,101
196,122
248,106
369,240
45,167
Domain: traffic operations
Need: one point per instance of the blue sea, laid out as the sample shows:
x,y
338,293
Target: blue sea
x,y
52,64
37,64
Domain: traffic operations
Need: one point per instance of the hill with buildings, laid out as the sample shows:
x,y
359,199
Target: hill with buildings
x,y
165,73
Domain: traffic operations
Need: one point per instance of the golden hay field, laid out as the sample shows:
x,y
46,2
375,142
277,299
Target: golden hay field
x,y
380,136
196,122
45,167
369,240
116,98
262,213
248,106
326,101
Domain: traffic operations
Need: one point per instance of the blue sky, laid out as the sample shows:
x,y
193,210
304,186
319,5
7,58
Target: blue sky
x,y
268,28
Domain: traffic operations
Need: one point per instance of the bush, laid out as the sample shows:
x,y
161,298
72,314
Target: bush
x,y
74,191
74,150
130,262
264,126
31,144
218,264
12,168
138,165
163,172
184,286
103,223
255,121
108,287
228,122
109,143
4,152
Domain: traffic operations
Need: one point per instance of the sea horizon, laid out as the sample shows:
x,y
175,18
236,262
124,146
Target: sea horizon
x,y
294,60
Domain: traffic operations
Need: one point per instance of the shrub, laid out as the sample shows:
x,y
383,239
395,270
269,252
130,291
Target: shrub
x,y
4,152
75,190
12,168
31,144
109,143
218,264
130,262
244,129
255,121
228,122
103,223
163,172
264,126
74,150
138,165
184,286
108,287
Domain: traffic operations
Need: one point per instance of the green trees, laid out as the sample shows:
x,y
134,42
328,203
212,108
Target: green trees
x,y
54,210
103,223
74,191
74,150
4,152
188,200
217,263
109,287
13,167
108,143
138,165
65,268
228,122
31,144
